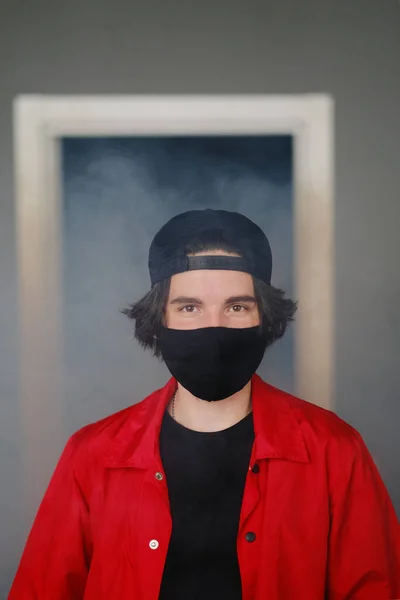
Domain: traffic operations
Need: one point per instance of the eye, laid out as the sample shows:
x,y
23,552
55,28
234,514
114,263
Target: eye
x,y
189,308
238,308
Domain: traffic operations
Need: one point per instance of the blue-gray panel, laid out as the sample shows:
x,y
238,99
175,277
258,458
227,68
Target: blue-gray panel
x,y
117,193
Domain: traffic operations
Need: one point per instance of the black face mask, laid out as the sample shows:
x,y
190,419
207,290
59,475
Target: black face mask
x,y
213,363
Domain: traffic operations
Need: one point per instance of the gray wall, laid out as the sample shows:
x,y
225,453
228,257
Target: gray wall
x,y
348,49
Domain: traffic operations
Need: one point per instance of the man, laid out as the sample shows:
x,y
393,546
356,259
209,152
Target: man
x,y
217,486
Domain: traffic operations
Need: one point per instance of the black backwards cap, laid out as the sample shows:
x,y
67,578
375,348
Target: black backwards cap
x,y
168,250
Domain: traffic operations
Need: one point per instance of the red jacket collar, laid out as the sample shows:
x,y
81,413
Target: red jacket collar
x,y
277,431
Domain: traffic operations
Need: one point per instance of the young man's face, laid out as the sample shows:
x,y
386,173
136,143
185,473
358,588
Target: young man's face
x,y
211,299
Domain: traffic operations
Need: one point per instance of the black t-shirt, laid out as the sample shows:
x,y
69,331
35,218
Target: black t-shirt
x,y
206,474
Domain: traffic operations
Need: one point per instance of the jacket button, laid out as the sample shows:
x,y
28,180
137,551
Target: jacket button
x,y
159,476
250,536
154,544
256,468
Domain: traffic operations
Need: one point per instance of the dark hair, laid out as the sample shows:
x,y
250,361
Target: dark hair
x,y
148,314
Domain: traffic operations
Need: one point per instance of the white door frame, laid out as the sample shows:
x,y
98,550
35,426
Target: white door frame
x,y
40,122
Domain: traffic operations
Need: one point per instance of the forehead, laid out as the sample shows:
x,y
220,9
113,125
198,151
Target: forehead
x,y
202,283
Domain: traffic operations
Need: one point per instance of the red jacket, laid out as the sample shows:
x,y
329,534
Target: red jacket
x,y
325,526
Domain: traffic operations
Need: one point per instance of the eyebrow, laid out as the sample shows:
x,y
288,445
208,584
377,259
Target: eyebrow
x,y
245,298
230,300
186,300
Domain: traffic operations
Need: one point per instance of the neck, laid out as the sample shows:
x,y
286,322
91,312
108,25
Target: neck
x,y
200,415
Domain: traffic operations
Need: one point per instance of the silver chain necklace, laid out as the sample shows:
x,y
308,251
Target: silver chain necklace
x,y
173,406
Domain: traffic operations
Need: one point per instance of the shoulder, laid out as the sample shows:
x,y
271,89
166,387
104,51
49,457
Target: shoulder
x,y
95,442
322,429
337,453
319,421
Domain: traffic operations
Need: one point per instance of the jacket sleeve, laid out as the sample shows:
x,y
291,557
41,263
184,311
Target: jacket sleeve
x,y
56,558
364,541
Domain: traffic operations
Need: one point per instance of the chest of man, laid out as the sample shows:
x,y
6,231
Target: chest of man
x,y
281,538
